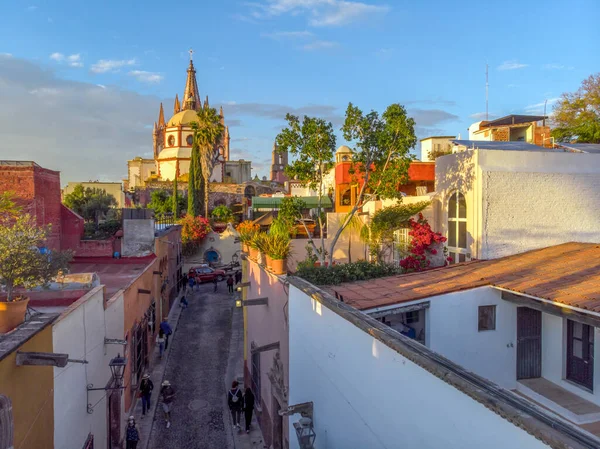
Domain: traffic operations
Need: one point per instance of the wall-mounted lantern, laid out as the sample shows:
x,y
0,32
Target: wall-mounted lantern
x,y
252,302
305,433
117,368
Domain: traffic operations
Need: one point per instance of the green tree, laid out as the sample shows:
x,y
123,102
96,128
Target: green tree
x,y
175,202
380,158
90,203
208,130
21,262
9,208
195,184
577,115
222,214
312,142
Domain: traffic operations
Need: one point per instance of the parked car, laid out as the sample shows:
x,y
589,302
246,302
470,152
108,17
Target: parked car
x,y
206,274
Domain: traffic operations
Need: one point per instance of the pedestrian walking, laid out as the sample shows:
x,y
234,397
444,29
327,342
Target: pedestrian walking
x,y
184,280
230,284
248,407
238,277
191,282
146,387
132,435
216,284
198,282
160,340
235,400
168,394
183,302
166,328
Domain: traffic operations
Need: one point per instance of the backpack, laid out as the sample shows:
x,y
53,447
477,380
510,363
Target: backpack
x,y
234,397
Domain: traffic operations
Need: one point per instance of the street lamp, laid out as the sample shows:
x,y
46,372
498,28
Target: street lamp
x,y
117,368
305,433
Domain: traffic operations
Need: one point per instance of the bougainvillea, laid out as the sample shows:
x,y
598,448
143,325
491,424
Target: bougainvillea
x,y
194,229
424,243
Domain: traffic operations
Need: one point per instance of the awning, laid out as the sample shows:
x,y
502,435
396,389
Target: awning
x,y
265,202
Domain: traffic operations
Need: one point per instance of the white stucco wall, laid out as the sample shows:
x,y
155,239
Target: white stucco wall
x,y
521,200
452,330
367,395
80,332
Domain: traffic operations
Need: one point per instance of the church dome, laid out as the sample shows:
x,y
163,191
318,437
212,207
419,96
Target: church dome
x,y
183,118
343,149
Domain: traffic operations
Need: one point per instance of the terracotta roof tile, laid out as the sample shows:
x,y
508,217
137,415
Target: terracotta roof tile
x,y
567,273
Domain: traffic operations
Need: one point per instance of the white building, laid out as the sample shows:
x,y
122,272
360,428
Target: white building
x,y
433,146
500,201
507,361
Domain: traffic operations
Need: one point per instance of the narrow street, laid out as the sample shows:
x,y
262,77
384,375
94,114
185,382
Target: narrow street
x,y
197,368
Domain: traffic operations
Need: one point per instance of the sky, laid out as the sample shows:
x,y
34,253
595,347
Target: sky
x,y
81,82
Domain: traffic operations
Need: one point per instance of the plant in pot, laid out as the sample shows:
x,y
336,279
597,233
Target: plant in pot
x,y
221,215
253,245
246,230
279,251
262,242
24,264
279,228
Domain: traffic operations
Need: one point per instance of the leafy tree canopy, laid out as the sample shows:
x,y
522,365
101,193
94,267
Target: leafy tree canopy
x,y
9,208
290,210
89,202
161,201
223,214
577,115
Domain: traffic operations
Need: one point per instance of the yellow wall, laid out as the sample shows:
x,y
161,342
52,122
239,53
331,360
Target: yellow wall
x,y
30,389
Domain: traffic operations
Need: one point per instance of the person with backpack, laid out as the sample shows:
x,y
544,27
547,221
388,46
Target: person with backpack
x,y
146,387
235,400
132,434
166,328
168,394
248,407
230,284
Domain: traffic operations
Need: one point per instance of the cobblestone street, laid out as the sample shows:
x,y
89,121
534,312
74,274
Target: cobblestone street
x,y
196,368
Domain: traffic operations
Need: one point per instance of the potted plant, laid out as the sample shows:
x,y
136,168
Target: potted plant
x,y
262,243
279,250
24,263
253,245
246,230
267,249
221,215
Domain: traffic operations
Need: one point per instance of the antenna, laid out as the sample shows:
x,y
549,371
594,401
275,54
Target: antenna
x,y
487,86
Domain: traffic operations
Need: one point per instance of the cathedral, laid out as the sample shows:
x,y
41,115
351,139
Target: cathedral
x,y
172,145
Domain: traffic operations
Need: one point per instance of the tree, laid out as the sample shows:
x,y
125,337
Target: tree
x,y
577,115
89,202
380,158
9,209
222,214
22,264
313,144
162,202
175,202
195,183
208,129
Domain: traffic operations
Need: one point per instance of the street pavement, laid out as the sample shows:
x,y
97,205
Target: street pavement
x,y
199,365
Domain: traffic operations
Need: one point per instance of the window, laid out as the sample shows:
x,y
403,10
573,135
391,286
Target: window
x,y
346,197
411,317
457,228
256,374
190,140
400,244
487,318
6,423
171,141
580,354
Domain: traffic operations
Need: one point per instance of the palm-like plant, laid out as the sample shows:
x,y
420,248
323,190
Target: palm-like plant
x,y
208,130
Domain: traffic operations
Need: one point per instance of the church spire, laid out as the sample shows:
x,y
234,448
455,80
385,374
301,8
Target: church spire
x,y
191,96
177,106
161,117
206,105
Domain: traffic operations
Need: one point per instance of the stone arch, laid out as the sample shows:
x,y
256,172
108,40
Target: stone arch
x,y
249,191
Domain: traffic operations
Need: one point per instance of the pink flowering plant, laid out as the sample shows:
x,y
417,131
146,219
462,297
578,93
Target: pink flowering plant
x,y
424,243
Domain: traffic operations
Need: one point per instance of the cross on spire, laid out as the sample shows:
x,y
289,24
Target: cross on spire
x,y
191,52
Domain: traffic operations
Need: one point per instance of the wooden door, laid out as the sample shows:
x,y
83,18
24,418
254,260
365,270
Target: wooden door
x,y
580,354
529,343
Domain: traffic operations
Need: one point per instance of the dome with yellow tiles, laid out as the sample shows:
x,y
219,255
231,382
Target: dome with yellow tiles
x,y
183,118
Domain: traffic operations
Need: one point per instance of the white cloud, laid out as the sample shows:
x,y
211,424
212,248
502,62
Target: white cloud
x,y
146,77
31,8
321,12
73,60
279,35
111,65
319,45
538,108
482,116
5,55
511,65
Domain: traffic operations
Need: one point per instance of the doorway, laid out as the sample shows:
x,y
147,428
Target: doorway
x,y
529,343
580,354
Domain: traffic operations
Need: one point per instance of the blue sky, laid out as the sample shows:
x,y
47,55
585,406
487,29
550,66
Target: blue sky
x,y
91,75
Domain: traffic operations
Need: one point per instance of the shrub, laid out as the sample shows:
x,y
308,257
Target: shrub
x,y
278,246
349,272
193,231
222,214
247,229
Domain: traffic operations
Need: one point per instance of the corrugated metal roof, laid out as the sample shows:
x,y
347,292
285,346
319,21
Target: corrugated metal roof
x,y
513,119
584,147
495,145
265,202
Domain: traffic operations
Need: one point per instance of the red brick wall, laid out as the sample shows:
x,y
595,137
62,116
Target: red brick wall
x,y
95,248
72,229
39,192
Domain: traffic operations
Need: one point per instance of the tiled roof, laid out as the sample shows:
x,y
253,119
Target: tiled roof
x,y
567,273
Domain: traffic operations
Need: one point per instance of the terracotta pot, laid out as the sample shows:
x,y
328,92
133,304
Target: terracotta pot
x,y
245,248
253,253
269,261
12,314
278,266
262,258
